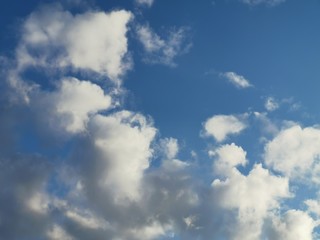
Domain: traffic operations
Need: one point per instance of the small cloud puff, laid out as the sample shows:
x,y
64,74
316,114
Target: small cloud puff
x,y
221,126
237,80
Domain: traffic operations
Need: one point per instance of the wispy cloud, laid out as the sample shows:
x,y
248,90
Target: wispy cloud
x,y
266,2
237,80
147,3
163,50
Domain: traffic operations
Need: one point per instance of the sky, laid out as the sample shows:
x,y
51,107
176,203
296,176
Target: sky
x,y
159,120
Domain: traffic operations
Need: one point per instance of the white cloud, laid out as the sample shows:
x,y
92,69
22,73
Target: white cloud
x,y
271,104
123,139
293,225
76,100
252,197
94,41
295,152
145,2
170,147
313,206
228,156
221,126
237,80
267,2
163,50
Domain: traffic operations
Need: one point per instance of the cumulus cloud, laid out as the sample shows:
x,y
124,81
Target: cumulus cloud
x,y
160,50
237,80
227,157
250,198
295,152
123,140
76,100
92,41
221,126
295,224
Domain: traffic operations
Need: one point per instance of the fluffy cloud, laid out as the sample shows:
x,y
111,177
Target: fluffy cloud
x,y
252,197
227,157
237,80
221,126
77,100
163,50
293,225
94,41
294,152
249,198
123,140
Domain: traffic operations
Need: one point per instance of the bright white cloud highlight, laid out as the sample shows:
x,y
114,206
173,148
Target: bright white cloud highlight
x,y
94,41
77,100
227,157
163,50
252,197
237,80
295,152
293,225
124,142
221,126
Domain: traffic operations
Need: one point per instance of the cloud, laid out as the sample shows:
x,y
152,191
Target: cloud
x,y
76,100
92,41
271,104
147,3
294,152
170,147
295,224
227,157
123,142
163,50
250,198
75,165
237,80
266,2
221,126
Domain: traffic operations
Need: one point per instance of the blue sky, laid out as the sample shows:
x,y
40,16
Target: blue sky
x,y
154,119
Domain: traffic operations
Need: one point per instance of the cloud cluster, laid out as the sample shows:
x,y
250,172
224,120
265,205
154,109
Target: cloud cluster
x,y
221,126
94,176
